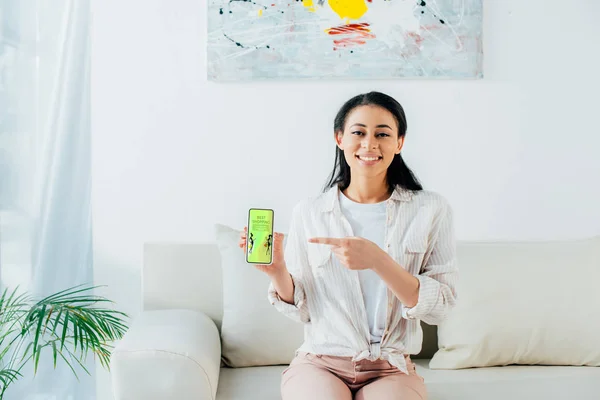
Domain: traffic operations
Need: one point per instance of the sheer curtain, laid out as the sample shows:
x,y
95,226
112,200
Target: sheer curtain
x,y
45,177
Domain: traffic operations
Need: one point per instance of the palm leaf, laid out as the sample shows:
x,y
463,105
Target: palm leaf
x,y
7,376
36,357
64,331
38,331
54,352
72,323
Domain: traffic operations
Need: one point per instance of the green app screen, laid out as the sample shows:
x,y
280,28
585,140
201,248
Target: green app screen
x,y
259,247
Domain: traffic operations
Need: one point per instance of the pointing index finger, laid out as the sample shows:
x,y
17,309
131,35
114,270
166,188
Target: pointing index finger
x,y
325,240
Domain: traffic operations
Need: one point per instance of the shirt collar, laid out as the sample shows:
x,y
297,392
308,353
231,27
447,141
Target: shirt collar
x,y
330,199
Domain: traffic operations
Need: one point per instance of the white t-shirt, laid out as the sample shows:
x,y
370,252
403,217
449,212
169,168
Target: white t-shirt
x,y
368,221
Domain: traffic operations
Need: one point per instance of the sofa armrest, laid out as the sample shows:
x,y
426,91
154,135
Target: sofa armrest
x,y
167,354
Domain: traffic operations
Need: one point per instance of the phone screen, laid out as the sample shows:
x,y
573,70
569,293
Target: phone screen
x,y
259,242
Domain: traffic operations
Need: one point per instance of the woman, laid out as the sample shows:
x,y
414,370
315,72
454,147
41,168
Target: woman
x,y
251,242
268,244
364,263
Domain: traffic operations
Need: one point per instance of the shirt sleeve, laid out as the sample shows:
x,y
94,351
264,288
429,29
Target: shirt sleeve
x,y
439,275
295,260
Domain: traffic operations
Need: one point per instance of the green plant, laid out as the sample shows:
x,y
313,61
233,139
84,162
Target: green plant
x,y
70,323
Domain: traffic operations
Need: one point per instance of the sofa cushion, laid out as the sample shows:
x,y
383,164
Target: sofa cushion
x,y
253,332
524,303
495,383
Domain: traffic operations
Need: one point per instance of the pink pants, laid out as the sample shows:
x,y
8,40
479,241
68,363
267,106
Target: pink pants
x,y
317,377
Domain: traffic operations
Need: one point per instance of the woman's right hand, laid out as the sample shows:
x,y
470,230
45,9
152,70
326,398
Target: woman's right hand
x,y
278,267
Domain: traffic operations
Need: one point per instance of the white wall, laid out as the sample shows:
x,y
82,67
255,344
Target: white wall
x,y
516,153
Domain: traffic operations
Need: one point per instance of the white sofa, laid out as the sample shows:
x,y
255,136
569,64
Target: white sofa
x,y
173,348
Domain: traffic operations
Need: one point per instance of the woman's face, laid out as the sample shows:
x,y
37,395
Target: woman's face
x,y
369,140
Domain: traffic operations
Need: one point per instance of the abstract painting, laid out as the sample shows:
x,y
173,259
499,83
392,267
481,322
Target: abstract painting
x,y
322,39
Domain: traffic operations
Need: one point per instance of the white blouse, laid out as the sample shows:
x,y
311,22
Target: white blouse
x,y
368,221
419,235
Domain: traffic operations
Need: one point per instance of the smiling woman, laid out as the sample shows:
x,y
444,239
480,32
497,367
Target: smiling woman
x,y
365,262
369,131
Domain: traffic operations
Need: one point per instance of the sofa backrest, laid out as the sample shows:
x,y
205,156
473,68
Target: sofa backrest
x,y
183,275
189,276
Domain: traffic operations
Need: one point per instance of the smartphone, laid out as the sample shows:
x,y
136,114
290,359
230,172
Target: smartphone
x,y
259,239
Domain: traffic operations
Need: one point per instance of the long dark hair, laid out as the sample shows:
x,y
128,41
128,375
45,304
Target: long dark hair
x,y
398,173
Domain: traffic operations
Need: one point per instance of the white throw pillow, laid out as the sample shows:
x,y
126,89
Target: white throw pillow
x,y
253,333
524,303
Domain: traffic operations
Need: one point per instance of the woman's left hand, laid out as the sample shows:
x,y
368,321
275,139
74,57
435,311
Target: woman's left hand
x,y
354,253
